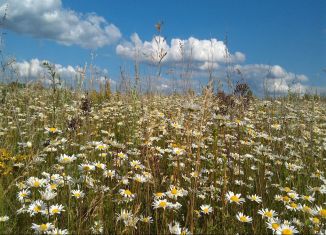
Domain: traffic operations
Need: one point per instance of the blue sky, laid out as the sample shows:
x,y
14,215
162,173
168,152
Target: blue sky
x,y
290,34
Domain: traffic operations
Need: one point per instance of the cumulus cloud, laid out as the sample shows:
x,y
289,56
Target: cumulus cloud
x,y
272,78
48,19
34,70
202,52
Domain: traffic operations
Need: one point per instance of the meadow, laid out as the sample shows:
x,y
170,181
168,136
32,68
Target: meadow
x,y
73,162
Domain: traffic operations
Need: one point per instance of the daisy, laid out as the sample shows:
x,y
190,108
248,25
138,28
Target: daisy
x,y
109,173
161,204
231,197
286,230
42,228
267,213
306,209
35,182
126,193
65,159
308,198
56,209
273,224
320,211
293,206
254,198
147,219
86,167
77,193
36,207
175,228
23,195
48,194
4,218
101,146
159,195
206,209
243,218
175,192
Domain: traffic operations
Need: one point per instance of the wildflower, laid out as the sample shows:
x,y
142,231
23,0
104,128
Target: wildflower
x,y
101,147
320,211
42,228
273,224
254,198
23,194
243,218
175,228
308,198
65,159
159,195
122,156
97,228
126,193
286,230
77,193
206,209
124,214
231,197
175,192
109,173
52,130
267,213
56,209
4,218
86,167
37,206
147,219
315,220
306,209
35,182
293,206
161,204
48,194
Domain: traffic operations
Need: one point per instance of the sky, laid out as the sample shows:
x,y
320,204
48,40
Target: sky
x,y
280,44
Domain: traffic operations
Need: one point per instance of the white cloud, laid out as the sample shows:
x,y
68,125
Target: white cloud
x,y
48,19
272,78
192,49
34,70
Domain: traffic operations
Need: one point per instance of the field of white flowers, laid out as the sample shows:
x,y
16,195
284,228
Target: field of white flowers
x,y
77,163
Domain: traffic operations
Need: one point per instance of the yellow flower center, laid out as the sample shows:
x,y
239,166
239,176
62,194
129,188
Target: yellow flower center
x,y
287,231
43,227
52,129
293,205
55,211
53,186
268,214
287,189
286,198
37,209
322,212
128,193
205,210
275,226
315,220
36,184
234,198
77,195
306,209
162,204
174,191
243,219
